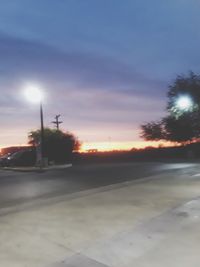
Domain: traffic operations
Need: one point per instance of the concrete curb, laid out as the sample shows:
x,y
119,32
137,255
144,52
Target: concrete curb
x,y
36,169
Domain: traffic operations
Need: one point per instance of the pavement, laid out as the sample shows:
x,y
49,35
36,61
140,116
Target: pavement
x,y
149,222
24,187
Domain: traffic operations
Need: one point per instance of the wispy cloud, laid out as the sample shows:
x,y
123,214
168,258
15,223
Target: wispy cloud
x,y
22,58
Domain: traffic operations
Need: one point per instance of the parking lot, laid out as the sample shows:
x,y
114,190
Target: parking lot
x,y
146,220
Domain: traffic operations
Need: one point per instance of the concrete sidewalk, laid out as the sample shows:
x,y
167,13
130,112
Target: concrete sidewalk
x,y
148,223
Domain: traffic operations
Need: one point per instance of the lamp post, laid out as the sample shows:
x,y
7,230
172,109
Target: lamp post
x,y
185,103
42,133
34,95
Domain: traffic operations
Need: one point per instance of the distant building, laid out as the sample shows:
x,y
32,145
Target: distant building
x,y
13,149
92,150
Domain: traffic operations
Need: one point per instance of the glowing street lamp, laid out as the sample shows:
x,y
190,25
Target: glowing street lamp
x,y
184,103
34,95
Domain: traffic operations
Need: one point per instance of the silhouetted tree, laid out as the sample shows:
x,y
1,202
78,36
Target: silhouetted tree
x,y
180,126
184,85
178,130
58,146
152,131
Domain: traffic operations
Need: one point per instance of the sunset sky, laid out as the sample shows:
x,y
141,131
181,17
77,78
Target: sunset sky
x,y
104,65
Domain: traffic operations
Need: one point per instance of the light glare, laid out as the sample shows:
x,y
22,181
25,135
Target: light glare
x,y
184,103
33,94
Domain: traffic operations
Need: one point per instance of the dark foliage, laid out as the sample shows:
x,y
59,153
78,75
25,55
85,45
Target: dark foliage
x,y
58,146
181,126
152,131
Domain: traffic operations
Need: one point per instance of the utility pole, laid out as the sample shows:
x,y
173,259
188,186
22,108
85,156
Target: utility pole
x,y
57,122
42,132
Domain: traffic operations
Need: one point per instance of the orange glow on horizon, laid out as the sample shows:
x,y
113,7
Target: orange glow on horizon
x,y
110,146
12,145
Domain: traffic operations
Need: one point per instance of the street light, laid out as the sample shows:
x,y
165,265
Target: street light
x,y
184,103
34,95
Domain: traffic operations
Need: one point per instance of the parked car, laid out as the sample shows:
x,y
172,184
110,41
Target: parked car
x,y
4,160
22,158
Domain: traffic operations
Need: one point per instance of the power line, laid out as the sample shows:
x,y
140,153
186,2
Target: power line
x,y
57,122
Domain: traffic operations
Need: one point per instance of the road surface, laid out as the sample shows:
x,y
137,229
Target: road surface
x,y
20,187
149,223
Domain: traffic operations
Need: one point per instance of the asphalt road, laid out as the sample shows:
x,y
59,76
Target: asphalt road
x,y
19,187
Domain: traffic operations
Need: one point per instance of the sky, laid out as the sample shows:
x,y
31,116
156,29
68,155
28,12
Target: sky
x,y
104,65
